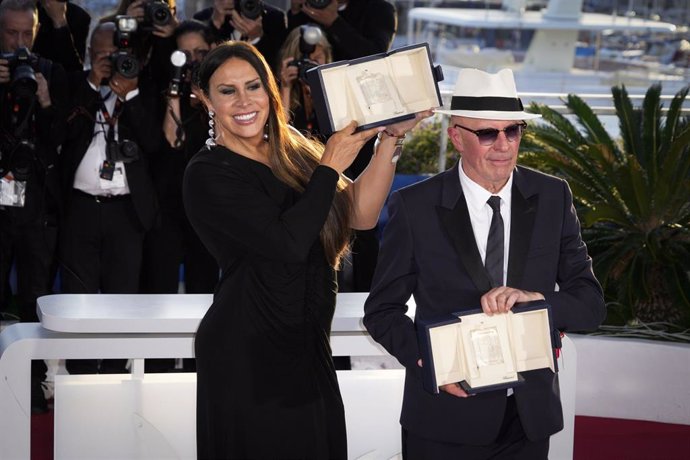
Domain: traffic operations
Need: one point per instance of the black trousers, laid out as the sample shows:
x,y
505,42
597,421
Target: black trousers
x,y
30,245
100,247
511,444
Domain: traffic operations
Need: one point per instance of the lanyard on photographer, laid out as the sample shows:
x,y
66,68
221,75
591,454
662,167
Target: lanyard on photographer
x,y
110,120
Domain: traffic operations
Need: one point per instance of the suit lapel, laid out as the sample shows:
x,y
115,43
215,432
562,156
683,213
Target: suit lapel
x,y
523,211
455,218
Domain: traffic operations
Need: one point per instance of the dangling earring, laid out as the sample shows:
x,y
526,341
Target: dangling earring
x,y
211,141
265,136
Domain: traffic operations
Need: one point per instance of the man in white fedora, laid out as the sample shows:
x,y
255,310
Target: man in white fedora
x,y
484,233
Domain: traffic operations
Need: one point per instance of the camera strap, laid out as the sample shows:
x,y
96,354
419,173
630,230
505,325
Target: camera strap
x,y
111,120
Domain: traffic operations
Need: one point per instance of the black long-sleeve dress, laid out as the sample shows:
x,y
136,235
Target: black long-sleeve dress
x,y
266,386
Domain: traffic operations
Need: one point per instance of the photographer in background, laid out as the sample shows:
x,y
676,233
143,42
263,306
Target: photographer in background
x,y
305,48
62,33
355,28
254,21
110,200
153,41
32,126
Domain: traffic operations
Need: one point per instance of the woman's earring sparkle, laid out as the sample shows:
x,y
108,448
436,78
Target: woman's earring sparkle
x,y
211,141
265,136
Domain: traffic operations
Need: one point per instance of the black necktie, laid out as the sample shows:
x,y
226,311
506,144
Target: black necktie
x,y
494,244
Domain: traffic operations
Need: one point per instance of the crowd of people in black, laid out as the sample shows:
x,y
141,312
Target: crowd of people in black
x,y
96,131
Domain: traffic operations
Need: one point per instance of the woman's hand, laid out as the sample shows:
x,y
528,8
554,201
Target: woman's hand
x,y
344,145
288,73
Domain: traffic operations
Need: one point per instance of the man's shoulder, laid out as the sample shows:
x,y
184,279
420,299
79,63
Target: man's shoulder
x,y
536,177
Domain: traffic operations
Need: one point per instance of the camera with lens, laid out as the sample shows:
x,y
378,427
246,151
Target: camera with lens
x,y
125,151
156,13
184,74
23,66
250,9
18,158
309,37
124,62
318,4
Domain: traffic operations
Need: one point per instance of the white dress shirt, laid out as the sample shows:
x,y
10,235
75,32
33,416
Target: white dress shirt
x,y
87,177
481,213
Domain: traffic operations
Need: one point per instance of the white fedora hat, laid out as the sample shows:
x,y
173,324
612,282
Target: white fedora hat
x,y
491,96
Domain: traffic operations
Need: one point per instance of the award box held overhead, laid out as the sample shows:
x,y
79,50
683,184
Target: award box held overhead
x,y
485,353
375,90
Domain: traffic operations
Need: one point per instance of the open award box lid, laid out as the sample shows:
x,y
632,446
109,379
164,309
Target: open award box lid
x,y
375,90
484,353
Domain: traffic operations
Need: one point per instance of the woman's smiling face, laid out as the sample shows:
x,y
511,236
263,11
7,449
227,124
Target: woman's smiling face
x,y
240,101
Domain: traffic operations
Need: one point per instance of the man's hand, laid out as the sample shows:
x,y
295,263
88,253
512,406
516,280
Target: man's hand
x,y
56,11
167,30
326,17
501,299
121,85
249,28
101,70
42,91
451,388
4,71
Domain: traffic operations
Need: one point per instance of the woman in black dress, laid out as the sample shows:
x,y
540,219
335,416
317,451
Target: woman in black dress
x,y
275,211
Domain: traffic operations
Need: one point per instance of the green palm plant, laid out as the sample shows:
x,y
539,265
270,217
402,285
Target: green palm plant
x,y
632,195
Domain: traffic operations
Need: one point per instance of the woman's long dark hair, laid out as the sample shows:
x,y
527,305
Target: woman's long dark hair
x,y
293,157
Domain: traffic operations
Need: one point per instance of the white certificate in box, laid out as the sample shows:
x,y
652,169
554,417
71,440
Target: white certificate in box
x,y
484,353
375,90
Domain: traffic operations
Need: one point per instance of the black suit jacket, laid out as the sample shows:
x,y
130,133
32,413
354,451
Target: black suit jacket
x,y
275,31
429,251
364,28
138,122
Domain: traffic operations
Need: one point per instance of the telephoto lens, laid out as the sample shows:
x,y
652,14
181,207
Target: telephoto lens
x,y
250,9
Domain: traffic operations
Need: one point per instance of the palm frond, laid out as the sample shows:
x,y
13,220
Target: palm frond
x,y
629,120
673,118
596,133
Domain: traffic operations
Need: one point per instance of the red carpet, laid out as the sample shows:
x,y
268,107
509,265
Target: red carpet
x,y
595,439
608,438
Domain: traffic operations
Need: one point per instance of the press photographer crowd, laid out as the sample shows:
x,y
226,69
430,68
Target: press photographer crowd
x,y
98,120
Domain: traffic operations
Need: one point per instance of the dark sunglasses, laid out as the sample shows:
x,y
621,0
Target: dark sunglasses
x,y
489,135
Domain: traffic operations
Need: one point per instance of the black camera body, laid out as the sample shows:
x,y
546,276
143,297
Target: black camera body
x,y
23,67
303,64
250,9
309,37
125,151
185,71
124,62
318,4
18,158
156,13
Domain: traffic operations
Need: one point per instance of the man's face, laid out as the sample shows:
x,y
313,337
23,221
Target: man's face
x,y
102,44
488,165
224,6
17,29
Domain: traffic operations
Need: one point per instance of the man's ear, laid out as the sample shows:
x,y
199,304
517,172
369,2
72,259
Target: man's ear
x,y
454,136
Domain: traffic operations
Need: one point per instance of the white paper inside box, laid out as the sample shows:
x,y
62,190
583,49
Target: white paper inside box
x,y
379,89
485,351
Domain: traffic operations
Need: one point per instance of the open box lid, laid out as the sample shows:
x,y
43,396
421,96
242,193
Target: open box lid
x,y
484,352
375,90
